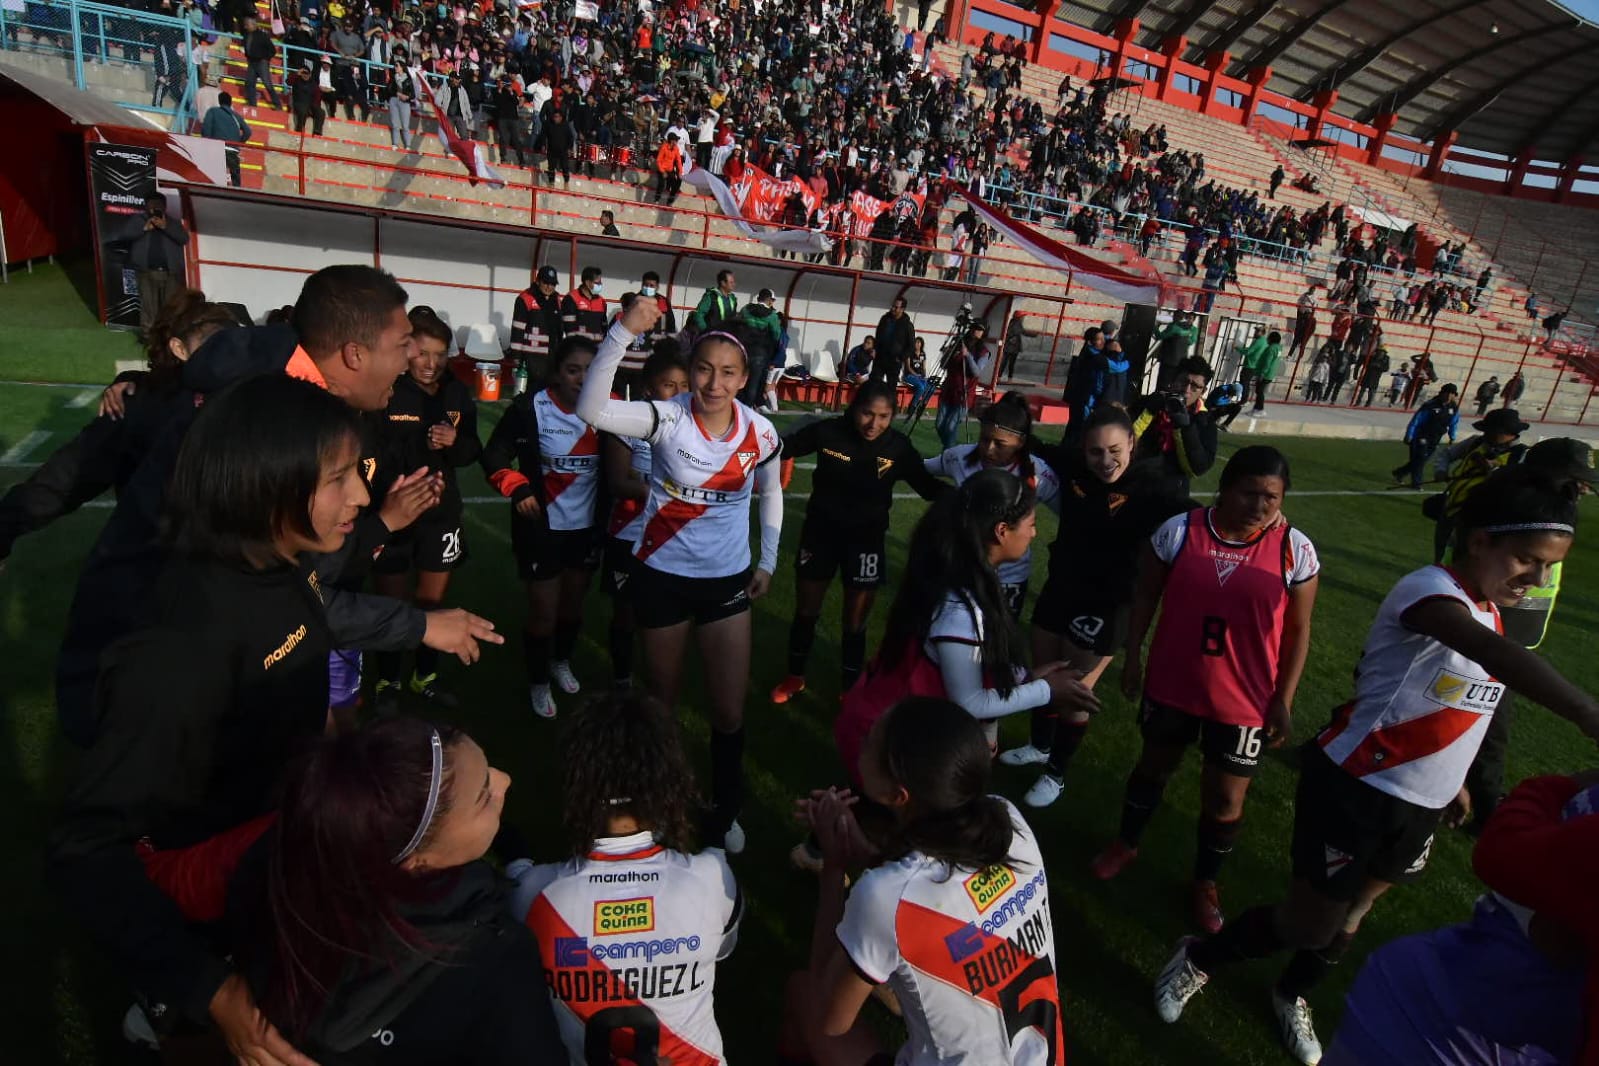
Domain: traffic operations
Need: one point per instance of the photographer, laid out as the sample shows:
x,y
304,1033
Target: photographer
x,y
155,252
966,362
1174,424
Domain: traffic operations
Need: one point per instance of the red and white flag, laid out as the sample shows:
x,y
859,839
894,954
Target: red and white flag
x,y
471,153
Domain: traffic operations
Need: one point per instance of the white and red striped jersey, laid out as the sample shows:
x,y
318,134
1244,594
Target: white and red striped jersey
x,y
959,463
971,956
569,455
697,516
1420,708
630,936
627,516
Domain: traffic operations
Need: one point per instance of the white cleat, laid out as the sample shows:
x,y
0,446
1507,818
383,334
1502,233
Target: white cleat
x,y
733,840
1045,790
1298,1029
1026,755
1179,982
543,702
564,677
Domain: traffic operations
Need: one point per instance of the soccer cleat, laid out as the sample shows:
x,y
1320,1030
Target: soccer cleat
x,y
1179,982
136,1029
733,839
788,688
1207,908
806,857
386,700
1026,755
1045,790
563,675
428,688
543,702
1298,1030
1113,860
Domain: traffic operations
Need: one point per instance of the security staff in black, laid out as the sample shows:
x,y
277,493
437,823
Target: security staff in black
x,y
859,460
537,311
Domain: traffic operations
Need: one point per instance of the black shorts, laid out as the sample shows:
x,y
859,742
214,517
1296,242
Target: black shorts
x,y
621,565
1347,832
1233,749
1015,598
858,556
429,545
542,553
661,599
1091,624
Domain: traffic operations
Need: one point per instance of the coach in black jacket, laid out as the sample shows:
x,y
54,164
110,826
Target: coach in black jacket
x,y
896,341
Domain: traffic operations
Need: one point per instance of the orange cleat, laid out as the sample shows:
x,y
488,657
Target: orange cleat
x,y
1113,860
788,688
1207,907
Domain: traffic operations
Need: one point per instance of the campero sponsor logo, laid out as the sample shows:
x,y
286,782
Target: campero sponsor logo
x,y
613,917
574,951
986,886
291,642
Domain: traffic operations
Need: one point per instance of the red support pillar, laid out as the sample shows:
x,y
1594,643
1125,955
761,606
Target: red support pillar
x,y
1323,102
1126,30
1568,177
1258,77
1215,64
1518,170
1385,125
1440,152
1172,48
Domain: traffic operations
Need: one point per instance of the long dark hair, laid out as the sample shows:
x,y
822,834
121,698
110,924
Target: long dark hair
x,y
1517,501
876,389
949,556
1257,460
189,319
250,465
622,754
1011,413
939,755
334,892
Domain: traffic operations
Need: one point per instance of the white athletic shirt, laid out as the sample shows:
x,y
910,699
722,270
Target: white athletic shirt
x,y
630,937
640,463
955,642
957,465
970,956
1420,708
569,454
696,518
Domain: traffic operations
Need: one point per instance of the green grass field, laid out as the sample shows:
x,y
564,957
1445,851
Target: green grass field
x,y
63,1005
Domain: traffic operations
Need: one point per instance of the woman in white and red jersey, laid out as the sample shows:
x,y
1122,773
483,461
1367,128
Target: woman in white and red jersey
x,y
546,460
710,454
952,914
1235,585
627,475
1375,783
631,927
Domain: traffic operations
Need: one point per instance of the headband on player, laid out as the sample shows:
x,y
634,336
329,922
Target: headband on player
x,y
435,780
722,335
1531,527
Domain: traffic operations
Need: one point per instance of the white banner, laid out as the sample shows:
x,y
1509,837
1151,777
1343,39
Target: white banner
x,y
798,241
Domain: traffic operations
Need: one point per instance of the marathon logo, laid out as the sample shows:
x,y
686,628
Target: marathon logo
x,y
626,877
613,917
840,456
1465,693
288,645
985,887
1004,957
397,417
647,983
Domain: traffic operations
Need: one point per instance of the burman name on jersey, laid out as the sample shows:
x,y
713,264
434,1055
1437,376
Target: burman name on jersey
x,y
989,963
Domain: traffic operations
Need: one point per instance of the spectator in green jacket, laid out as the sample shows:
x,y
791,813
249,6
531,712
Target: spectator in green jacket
x,y
718,308
761,330
1172,346
1260,364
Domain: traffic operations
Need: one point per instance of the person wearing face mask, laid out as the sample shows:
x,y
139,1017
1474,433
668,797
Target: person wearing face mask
x,y
1392,764
583,310
641,348
1110,503
860,457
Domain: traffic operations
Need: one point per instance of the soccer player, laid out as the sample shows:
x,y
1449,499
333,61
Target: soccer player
x,y
860,457
952,914
1391,765
546,460
1110,505
710,455
432,422
369,926
631,927
1003,438
627,475
1238,585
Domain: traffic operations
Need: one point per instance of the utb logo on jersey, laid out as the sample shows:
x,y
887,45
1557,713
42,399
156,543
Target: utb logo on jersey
x,y
614,916
986,886
1465,693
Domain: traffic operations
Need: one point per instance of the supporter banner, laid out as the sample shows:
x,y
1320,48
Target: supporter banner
x,y
760,198
799,241
121,176
1130,286
472,154
586,11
